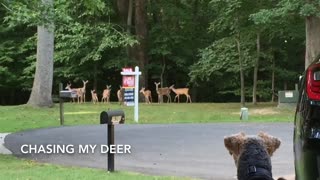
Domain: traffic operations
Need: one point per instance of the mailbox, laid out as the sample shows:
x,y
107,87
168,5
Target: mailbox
x,y
68,94
112,117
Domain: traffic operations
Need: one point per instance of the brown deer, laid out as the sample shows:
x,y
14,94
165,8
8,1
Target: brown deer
x,y
181,91
120,94
162,91
94,96
106,94
147,95
83,90
77,90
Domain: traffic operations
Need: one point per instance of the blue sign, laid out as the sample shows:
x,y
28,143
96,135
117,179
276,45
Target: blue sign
x,y
129,96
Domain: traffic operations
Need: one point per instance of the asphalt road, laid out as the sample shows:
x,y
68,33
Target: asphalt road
x,y
190,150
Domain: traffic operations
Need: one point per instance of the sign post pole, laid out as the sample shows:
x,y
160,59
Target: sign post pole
x,y
136,94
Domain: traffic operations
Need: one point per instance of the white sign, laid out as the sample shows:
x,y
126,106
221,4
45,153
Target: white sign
x,y
288,94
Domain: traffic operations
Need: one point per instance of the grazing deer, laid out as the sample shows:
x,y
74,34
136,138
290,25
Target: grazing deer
x,y
120,94
162,91
106,94
147,95
94,96
83,90
180,91
77,90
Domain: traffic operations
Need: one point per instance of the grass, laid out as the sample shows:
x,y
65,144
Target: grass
x,y
14,168
17,118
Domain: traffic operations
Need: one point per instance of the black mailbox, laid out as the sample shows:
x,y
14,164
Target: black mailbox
x,y
68,94
112,117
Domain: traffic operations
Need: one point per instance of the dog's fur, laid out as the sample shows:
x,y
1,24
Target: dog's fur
x,y
252,154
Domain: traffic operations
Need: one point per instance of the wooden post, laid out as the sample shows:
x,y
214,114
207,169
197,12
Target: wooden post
x,y
61,105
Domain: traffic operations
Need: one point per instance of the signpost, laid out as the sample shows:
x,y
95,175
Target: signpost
x,y
130,82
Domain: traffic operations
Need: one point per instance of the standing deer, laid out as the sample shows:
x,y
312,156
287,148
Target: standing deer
x,y
77,90
106,94
120,94
94,96
180,91
83,90
147,95
162,91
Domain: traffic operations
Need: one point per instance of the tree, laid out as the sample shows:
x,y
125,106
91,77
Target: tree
x,y
312,32
305,8
232,22
141,30
41,94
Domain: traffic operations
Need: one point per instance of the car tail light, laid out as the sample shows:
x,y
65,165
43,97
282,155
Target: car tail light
x,y
313,82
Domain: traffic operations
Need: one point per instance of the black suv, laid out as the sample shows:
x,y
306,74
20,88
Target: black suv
x,y
306,138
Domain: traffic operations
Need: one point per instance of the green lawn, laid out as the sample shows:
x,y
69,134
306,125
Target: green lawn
x,y
17,118
14,168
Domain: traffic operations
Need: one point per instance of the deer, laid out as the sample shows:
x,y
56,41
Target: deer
x,y
83,90
94,96
77,90
162,91
120,94
147,95
106,94
180,91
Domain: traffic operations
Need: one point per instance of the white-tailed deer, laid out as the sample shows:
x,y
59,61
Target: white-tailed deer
x,y
94,96
77,90
162,91
180,91
83,90
120,94
106,94
147,95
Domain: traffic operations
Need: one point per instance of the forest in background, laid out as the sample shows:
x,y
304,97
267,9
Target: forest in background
x,y
217,48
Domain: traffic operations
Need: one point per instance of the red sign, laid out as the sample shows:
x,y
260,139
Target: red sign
x,y
128,81
127,69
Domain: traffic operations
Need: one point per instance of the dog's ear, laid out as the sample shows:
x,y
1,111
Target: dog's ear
x,y
234,142
272,143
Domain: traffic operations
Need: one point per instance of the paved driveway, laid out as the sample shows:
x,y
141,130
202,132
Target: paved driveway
x,y
192,150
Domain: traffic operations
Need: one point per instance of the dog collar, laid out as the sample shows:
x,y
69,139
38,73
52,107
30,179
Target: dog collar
x,y
260,173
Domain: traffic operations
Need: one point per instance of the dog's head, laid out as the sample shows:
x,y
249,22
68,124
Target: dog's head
x,y
235,142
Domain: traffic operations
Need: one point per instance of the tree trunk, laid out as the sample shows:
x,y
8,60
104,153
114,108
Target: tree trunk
x,y
255,72
129,18
141,32
312,39
123,9
163,70
129,25
242,90
42,84
285,85
95,75
272,80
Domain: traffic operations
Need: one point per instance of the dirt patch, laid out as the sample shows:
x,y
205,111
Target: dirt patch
x,y
264,111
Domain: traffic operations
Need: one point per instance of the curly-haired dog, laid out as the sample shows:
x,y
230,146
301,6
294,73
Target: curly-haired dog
x,y
252,155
